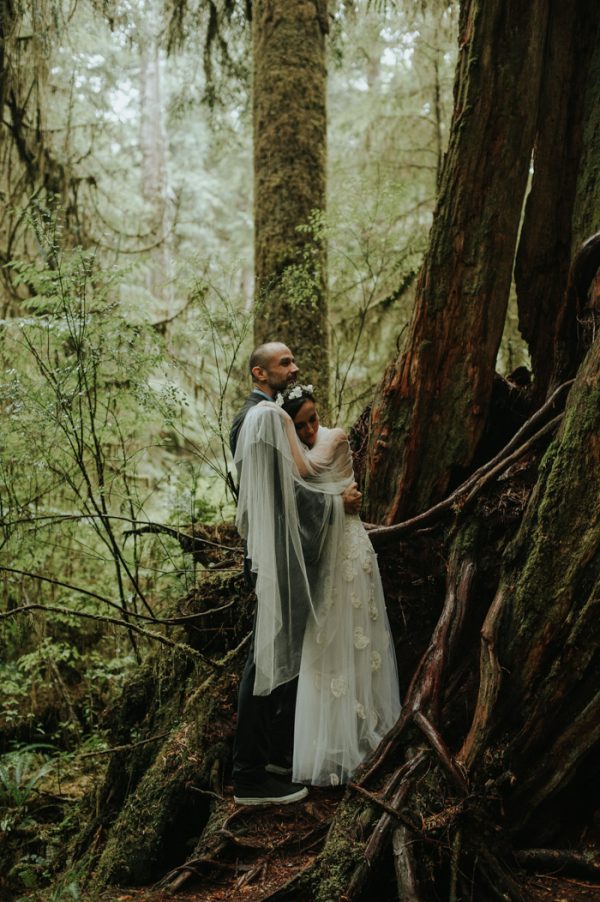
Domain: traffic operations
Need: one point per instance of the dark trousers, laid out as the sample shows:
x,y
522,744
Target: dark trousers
x,y
265,726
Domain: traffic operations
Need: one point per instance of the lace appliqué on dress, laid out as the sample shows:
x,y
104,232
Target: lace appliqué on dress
x,y
360,639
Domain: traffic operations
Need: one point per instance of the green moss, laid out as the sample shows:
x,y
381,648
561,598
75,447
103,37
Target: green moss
x,y
554,557
137,838
343,852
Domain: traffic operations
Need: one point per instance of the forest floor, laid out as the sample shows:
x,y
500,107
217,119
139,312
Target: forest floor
x,y
266,848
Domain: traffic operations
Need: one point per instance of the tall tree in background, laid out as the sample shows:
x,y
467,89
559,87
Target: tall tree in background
x,y
154,170
289,179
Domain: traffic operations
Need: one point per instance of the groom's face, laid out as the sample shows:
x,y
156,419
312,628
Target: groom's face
x,y
280,369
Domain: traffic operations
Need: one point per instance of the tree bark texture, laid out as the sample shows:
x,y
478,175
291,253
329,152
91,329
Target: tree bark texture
x,y
548,231
586,216
541,634
158,793
155,175
430,408
289,180
31,174
477,766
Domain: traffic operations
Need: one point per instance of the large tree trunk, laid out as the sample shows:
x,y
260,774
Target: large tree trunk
x,y
546,245
430,409
541,635
472,774
289,179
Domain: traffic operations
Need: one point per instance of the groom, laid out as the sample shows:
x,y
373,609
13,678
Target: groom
x,y
262,751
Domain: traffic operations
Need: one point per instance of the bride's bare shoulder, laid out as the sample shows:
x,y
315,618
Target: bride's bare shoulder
x,y
338,434
335,437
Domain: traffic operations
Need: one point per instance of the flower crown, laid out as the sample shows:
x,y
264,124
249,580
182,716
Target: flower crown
x,y
293,393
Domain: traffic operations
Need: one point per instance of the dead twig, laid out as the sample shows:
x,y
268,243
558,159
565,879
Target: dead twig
x,y
124,748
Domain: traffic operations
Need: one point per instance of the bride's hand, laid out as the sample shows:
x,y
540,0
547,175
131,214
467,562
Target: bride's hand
x,y
352,499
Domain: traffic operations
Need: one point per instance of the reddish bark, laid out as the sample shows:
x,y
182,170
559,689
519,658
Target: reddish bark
x,y
430,409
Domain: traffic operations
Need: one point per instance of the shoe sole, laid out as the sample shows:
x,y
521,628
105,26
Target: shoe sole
x,y
272,800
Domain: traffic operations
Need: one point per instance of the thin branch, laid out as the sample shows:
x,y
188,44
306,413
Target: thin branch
x,y
103,618
158,527
124,748
161,621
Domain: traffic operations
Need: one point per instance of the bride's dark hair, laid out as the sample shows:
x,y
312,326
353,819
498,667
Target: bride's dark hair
x,y
294,397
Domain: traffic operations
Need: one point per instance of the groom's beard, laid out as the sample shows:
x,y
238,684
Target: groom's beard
x,y
281,386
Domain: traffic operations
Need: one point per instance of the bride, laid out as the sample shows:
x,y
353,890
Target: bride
x,y
339,642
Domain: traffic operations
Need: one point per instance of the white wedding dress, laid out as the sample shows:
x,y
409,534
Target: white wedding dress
x,y
348,694
341,646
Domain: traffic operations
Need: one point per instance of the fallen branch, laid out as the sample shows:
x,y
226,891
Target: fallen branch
x,y
580,864
124,748
147,525
188,541
389,809
103,618
164,621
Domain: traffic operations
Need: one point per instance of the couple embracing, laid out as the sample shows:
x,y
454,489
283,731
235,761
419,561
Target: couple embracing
x,y
320,686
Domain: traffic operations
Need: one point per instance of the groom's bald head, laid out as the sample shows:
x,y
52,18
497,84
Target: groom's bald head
x,y
272,367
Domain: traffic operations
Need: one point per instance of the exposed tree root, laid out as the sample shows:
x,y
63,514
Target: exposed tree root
x,y
563,861
521,443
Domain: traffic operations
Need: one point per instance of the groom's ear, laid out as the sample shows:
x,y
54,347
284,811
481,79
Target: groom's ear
x,y
258,374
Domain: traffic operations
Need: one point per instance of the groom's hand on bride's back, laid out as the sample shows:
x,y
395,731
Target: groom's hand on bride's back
x,y
352,499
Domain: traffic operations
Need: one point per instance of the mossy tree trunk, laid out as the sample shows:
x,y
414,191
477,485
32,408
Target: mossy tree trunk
x,y
431,406
480,767
31,174
172,731
540,638
549,233
289,180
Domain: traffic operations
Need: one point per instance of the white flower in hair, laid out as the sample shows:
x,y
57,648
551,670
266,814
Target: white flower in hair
x,y
297,391
279,399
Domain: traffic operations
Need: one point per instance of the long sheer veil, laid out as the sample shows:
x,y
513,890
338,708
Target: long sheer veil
x,y
290,513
